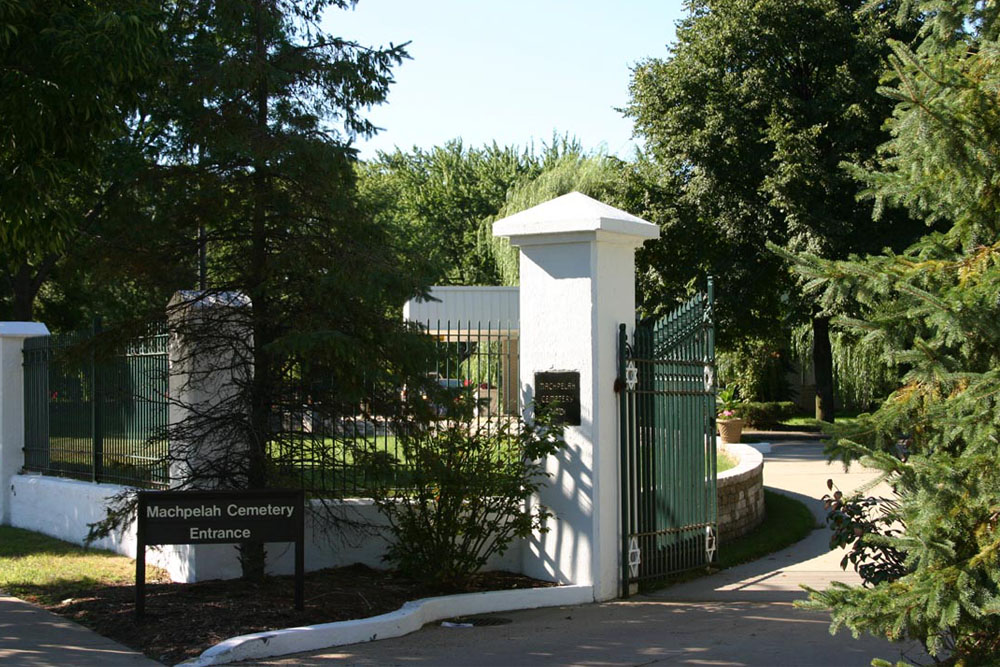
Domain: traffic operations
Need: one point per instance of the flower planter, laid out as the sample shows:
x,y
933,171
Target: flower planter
x,y
730,430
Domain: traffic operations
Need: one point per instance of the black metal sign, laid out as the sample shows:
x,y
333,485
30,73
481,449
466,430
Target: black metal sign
x,y
560,392
219,517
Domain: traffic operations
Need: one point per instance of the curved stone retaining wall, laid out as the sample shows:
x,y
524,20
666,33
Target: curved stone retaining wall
x,y
741,493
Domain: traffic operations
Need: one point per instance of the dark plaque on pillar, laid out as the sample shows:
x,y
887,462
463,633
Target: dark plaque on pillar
x,y
560,393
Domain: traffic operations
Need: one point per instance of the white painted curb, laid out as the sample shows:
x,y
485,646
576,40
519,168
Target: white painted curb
x,y
409,618
762,447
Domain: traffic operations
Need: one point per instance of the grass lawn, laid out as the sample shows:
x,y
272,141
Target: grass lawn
x,y
724,462
787,522
806,421
48,571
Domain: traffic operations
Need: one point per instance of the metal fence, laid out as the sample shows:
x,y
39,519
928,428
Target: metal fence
x,y
105,418
95,417
318,446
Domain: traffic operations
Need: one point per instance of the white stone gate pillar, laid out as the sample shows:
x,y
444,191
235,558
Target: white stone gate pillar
x,y
577,285
12,335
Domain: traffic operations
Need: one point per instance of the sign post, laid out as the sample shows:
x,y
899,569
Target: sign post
x,y
219,517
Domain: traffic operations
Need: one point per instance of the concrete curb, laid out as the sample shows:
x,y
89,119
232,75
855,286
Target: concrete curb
x,y
762,447
749,458
409,618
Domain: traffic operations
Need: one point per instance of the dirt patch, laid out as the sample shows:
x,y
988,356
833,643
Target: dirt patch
x,y
182,620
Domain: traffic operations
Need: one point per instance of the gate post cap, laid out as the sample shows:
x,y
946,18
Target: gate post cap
x,y
22,329
574,214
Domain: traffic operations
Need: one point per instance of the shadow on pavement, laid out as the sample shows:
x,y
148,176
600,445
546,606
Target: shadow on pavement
x,y
636,632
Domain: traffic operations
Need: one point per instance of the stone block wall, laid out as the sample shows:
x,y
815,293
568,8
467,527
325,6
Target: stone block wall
x,y
740,493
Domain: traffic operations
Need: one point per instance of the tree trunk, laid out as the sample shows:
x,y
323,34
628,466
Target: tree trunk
x,y
25,290
252,555
823,368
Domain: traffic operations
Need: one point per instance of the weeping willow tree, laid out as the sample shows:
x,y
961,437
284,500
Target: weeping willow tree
x,y
593,175
864,370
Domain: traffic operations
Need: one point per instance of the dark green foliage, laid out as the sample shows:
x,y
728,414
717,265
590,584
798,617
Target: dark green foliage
x,y
759,366
861,525
463,499
251,129
72,76
70,73
935,310
766,414
748,120
863,375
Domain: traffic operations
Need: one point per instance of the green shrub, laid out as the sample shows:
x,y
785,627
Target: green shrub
x,y
765,414
463,496
758,366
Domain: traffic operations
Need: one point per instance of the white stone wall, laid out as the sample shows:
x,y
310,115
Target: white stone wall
x,y
63,508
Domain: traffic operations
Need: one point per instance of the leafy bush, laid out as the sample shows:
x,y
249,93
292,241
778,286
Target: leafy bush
x,y
761,415
860,524
759,366
462,496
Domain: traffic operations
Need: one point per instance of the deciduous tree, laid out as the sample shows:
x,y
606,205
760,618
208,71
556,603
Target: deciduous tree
x,y
72,75
752,114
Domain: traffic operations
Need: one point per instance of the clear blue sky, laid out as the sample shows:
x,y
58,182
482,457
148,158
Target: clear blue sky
x,y
509,70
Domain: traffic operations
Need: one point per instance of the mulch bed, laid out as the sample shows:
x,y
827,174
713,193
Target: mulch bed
x,y
182,620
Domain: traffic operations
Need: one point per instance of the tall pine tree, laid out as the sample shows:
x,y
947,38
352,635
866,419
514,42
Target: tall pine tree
x,y
301,291
935,309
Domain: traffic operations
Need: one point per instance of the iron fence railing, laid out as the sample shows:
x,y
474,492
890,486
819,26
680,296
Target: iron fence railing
x,y
318,446
97,417
104,417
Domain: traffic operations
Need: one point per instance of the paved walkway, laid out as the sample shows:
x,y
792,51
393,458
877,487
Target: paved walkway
x,y
31,636
741,616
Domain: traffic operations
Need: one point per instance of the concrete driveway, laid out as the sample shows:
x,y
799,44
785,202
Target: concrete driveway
x,y
741,616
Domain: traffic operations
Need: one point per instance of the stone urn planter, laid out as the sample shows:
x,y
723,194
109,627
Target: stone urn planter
x,y
730,430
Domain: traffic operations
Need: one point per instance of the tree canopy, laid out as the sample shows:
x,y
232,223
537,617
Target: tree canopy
x,y
72,75
439,199
751,116
251,162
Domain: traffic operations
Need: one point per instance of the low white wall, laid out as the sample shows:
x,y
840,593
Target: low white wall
x,y
63,508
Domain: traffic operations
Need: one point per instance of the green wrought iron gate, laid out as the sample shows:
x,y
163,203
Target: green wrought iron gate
x,y
667,421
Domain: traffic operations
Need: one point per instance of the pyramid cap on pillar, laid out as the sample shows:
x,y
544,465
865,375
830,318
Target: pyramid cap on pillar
x,y
573,214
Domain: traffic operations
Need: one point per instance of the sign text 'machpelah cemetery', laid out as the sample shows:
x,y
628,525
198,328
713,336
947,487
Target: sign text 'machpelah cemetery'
x,y
195,518
219,517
